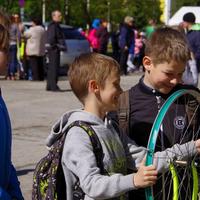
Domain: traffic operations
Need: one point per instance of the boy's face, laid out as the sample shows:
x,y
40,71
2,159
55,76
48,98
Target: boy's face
x,y
185,24
164,76
110,93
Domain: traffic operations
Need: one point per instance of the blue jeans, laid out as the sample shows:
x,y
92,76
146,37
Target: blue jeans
x,y
12,66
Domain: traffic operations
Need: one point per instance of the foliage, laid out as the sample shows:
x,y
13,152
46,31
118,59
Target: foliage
x,y
177,4
77,14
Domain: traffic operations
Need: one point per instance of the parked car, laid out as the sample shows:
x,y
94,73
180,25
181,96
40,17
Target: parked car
x,y
76,44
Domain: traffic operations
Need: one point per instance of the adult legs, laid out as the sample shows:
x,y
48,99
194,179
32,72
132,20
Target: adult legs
x,y
41,68
123,61
36,64
12,67
52,71
33,62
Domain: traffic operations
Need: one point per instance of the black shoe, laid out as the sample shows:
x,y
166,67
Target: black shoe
x,y
55,90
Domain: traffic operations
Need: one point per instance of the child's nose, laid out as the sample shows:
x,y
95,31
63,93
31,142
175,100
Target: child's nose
x,y
175,81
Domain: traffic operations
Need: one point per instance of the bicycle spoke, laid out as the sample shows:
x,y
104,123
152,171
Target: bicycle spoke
x,y
177,122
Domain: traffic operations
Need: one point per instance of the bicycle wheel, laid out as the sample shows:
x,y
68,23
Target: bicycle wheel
x,y
178,121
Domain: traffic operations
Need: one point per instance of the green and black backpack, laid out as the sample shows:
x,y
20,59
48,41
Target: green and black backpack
x,y
48,178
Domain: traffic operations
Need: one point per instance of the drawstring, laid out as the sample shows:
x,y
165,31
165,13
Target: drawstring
x,y
158,100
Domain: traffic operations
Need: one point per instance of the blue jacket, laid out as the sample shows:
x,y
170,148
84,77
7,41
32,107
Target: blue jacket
x,y
9,184
193,37
126,37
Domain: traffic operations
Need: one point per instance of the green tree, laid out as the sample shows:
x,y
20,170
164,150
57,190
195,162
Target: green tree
x,y
176,4
76,13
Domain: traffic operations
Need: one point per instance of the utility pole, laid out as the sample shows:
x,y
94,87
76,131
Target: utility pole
x,y
167,11
88,11
165,6
21,5
108,17
43,11
66,17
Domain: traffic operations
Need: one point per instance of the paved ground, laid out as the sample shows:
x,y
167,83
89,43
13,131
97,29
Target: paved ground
x,y
33,111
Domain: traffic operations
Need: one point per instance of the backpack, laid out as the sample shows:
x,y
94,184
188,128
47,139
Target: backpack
x,y
48,177
124,111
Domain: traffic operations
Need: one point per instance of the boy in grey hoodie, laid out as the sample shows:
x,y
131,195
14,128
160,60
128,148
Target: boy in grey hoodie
x,y
95,80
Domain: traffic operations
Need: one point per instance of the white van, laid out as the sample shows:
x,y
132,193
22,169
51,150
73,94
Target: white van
x,y
177,18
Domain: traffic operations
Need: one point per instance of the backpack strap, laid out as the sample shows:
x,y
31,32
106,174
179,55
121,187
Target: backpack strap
x,y
97,148
78,193
124,111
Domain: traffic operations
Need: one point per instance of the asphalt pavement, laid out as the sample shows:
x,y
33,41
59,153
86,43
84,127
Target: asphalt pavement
x,y
33,111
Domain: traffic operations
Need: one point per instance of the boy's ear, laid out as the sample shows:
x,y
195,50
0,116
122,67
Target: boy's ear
x,y
147,63
93,86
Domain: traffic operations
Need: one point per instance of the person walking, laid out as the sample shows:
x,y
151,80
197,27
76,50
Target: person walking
x,y
193,35
150,28
55,43
126,40
103,37
92,37
35,49
15,36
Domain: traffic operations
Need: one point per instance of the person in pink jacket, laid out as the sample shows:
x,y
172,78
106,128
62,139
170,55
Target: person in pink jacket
x,y
92,38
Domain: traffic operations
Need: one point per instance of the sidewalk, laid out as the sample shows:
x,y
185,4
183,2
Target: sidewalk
x,y
33,111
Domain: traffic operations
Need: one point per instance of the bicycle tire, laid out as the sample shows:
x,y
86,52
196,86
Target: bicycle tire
x,y
153,140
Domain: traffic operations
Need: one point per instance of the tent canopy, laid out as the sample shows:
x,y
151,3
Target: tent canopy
x,y
177,18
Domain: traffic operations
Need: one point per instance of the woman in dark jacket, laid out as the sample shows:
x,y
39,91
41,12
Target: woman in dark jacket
x,y
103,36
126,40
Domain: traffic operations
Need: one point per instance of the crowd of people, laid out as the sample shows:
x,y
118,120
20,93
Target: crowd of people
x,y
26,51
95,81
28,48
127,43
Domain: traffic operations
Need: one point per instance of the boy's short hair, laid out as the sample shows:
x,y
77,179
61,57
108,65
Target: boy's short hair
x,y
167,44
189,17
90,66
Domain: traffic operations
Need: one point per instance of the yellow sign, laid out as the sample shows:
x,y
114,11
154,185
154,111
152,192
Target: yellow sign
x,y
162,8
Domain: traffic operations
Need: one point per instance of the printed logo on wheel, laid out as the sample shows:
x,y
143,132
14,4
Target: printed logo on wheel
x,y
179,122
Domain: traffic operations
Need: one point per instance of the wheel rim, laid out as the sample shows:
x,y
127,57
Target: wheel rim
x,y
174,181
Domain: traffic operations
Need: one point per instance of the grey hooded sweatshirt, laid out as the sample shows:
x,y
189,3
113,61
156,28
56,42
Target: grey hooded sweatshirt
x,y
119,153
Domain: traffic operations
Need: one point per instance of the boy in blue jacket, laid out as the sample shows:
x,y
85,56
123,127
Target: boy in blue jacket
x,y
9,184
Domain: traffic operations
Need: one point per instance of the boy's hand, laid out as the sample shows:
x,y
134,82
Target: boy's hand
x,y
145,176
197,144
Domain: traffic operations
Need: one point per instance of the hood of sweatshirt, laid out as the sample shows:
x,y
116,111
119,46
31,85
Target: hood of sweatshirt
x,y
67,118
